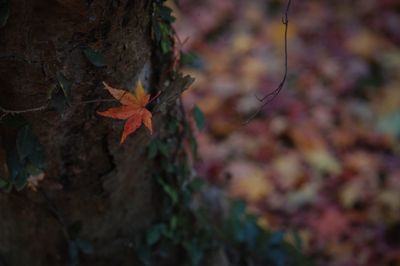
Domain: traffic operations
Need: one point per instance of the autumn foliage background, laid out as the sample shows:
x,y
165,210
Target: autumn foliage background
x,y
322,158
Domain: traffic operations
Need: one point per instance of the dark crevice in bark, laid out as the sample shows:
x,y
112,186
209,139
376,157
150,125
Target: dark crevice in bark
x,y
109,155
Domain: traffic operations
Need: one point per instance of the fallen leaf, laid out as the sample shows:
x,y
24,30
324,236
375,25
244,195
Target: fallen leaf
x,y
33,181
332,224
133,109
248,181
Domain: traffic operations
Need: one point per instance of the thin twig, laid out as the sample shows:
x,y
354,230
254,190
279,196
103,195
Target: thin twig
x,y
96,101
268,98
3,115
29,110
6,111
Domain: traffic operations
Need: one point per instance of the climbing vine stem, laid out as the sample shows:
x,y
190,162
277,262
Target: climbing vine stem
x,y
269,97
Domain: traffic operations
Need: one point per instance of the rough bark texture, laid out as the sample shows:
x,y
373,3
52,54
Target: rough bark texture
x,y
107,188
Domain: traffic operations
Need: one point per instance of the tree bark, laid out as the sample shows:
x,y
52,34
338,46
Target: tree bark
x,y
107,193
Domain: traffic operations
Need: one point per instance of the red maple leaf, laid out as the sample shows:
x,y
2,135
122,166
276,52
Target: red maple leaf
x,y
133,109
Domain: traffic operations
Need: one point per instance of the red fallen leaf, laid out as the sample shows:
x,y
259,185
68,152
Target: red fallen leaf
x,y
133,109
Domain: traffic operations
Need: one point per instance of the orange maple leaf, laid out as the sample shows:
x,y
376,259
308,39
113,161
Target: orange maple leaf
x,y
133,109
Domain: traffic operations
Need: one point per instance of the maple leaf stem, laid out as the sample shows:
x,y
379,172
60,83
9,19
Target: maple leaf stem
x,y
155,97
97,101
122,96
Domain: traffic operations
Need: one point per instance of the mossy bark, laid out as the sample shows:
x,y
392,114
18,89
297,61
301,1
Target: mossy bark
x,y
106,188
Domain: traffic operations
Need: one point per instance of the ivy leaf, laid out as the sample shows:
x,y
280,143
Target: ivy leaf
x,y
164,149
14,164
94,57
16,169
84,246
196,184
166,13
3,183
4,12
64,84
37,157
169,191
165,40
154,234
156,29
166,46
199,117
26,142
133,109
193,60
20,180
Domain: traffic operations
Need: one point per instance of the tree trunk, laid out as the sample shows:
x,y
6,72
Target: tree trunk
x,y
103,193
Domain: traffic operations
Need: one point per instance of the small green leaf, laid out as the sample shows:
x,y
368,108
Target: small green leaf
x,y
166,13
84,246
3,183
64,84
163,148
196,184
14,164
31,169
154,234
172,193
94,57
166,46
26,142
199,117
4,12
58,96
173,126
156,29
37,157
20,180
165,30
173,222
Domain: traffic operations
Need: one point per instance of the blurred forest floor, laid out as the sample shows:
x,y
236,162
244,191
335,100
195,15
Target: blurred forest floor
x,y
323,157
